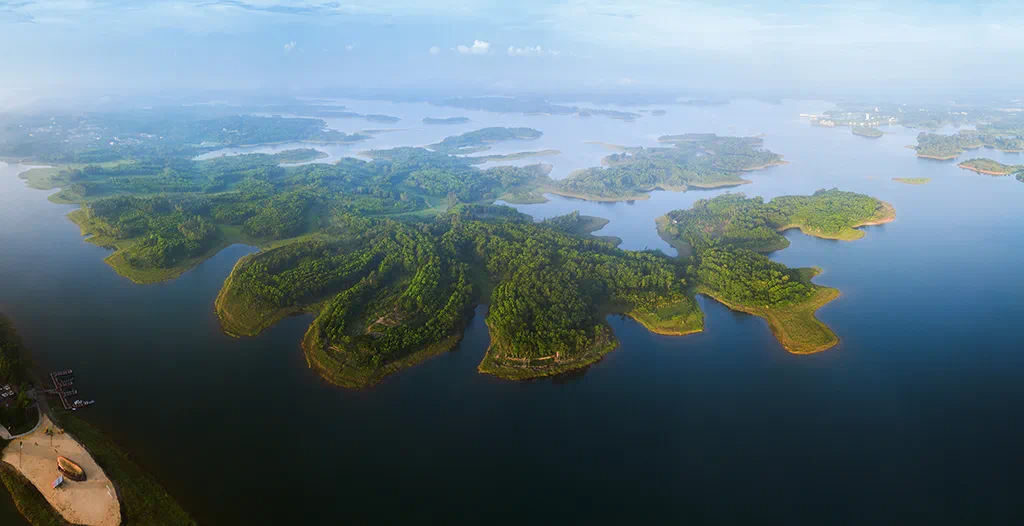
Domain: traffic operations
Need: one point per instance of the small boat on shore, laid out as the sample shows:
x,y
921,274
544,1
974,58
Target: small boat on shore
x,y
70,469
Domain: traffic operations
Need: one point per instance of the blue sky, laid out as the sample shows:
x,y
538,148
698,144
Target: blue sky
x,y
67,45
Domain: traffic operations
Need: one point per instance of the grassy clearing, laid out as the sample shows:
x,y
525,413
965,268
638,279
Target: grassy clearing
x,y
796,327
32,504
912,180
677,319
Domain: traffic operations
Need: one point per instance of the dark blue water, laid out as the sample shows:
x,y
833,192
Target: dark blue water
x,y
912,418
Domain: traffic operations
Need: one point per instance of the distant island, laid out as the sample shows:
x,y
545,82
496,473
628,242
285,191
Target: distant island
x,y
692,161
912,180
529,106
726,236
658,113
447,120
480,159
867,131
946,147
479,140
990,167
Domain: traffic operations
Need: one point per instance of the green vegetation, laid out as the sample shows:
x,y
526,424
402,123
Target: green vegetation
x,y
476,141
727,233
947,147
19,414
912,180
694,160
389,294
990,167
749,223
30,502
446,120
163,217
867,131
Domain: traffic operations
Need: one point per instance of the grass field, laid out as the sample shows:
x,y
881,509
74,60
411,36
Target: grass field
x,y
796,327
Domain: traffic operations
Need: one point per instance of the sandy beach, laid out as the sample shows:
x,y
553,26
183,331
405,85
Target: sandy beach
x,y
90,503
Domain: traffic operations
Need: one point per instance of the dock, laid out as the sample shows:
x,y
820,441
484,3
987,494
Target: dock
x,y
63,387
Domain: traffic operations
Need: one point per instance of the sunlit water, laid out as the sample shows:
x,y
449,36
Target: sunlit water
x,y
912,417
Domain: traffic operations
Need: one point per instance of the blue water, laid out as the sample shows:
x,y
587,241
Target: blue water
x,y
912,418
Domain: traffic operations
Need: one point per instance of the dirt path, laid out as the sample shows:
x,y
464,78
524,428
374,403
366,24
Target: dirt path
x,y
90,503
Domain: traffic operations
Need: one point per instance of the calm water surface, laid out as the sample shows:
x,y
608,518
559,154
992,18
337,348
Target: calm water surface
x,y
912,417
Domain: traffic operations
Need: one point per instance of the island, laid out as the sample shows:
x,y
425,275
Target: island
x,y
481,159
91,462
445,120
990,167
658,113
912,180
480,140
946,147
728,235
692,161
867,131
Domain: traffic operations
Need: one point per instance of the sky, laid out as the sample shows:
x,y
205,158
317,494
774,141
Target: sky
x,y
52,47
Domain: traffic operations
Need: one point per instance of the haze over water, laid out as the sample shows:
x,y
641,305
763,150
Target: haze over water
x,y
911,416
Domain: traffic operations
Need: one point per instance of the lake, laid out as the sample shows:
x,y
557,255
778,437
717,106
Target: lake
x,y
912,417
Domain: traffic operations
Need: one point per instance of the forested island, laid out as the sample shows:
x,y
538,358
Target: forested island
x,y
693,160
867,131
479,140
946,147
990,167
446,120
728,234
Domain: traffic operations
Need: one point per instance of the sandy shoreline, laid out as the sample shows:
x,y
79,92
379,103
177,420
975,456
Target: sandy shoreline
x,y
92,502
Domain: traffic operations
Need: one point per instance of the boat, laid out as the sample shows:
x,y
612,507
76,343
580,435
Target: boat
x,y
70,469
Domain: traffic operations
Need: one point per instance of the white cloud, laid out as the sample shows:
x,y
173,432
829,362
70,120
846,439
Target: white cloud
x,y
434,50
626,81
479,47
528,51
289,47
350,47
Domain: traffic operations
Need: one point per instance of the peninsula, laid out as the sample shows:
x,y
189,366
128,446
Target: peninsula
x,y
990,167
727,235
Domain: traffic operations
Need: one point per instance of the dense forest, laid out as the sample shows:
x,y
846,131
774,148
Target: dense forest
x,y
394,292
867,131
171,213
700,160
